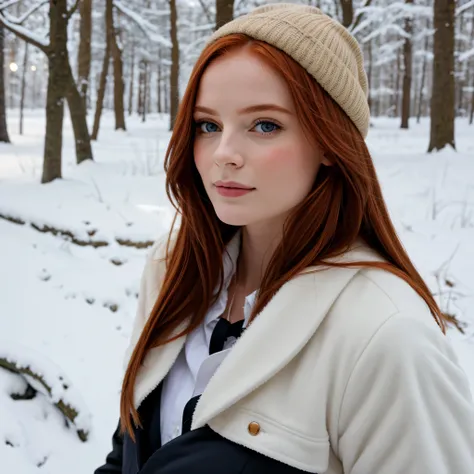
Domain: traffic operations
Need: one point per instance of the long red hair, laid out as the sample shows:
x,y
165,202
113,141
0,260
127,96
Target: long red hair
x,y
345,203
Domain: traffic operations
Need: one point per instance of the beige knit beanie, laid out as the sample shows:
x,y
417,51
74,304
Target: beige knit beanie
x,y
320,44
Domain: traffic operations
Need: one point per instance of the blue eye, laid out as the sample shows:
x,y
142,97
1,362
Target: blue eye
x,y
267,127
207,127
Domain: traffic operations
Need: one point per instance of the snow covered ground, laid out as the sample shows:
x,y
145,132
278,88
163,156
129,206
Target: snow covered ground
x,y
66,309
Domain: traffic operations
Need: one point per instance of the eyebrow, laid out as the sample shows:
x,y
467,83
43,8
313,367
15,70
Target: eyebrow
x,y
247,110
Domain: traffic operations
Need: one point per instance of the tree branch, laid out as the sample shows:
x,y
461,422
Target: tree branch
x,y
24,34
360,15
73,9
150,30
464,7
25,16
9,3
206,11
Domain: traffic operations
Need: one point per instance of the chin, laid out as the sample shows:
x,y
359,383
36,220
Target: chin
x,y
234,219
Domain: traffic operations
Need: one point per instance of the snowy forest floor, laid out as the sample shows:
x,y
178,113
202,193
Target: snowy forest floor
x,y
66,309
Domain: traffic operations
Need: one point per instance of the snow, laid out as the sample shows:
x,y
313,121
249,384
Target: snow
x,y
67,309
56,385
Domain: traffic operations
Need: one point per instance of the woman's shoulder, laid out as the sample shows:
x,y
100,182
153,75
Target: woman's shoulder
x,y
376,293
157,252
385,293
380,309
153,274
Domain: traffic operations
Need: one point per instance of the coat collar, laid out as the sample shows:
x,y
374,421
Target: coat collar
x,y
273,339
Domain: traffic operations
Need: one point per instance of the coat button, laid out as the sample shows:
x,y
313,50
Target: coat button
x,y
254,428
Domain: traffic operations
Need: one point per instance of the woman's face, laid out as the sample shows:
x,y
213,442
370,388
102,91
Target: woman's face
x,y
247,131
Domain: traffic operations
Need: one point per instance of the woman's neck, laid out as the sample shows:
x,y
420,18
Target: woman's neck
x,y
256,250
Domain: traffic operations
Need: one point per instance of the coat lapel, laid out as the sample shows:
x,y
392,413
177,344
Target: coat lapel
x,y
276,336
156,365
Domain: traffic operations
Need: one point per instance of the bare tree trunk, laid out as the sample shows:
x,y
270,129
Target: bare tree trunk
x,y
392,98
407,76
145,90
23,86
347,12
132,80
101,92
174,76
461,75
84,54
141,86
60,85
423,76
224,12
166,95
54,132
158,80
442,98
77,112
397,86
116,54
471,70
3,115
57,83
471,115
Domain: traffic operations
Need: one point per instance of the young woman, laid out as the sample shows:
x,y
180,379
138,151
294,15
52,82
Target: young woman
x,y
282,328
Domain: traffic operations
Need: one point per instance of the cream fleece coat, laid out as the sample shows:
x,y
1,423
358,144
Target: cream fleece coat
x,y
345,371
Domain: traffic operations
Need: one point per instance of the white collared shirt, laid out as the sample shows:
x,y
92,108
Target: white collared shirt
x,y
194,366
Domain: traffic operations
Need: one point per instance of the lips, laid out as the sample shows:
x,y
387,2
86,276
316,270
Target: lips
x,y
235,187
233,192
232,185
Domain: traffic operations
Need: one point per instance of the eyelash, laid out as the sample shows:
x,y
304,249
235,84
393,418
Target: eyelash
x,y
257,122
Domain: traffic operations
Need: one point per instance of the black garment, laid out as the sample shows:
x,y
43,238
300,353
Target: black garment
x,y
201,451
188,413
223,330
128,457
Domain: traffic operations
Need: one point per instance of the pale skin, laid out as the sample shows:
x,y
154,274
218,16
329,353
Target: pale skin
x,y
263,147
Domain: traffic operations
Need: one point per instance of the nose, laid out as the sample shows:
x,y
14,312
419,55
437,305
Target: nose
x,y
228,151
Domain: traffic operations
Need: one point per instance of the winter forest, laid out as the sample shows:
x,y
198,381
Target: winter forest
x,y
89,91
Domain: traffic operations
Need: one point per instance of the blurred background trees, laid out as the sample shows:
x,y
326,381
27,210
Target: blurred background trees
x,y
134,57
